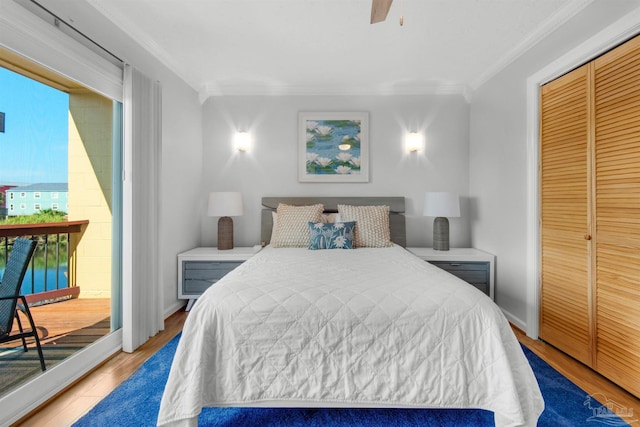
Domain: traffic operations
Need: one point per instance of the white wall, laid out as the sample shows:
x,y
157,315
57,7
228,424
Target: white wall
x,y
270,168
498,154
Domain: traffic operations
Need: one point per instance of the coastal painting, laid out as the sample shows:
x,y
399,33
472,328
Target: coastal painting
x,y
333,147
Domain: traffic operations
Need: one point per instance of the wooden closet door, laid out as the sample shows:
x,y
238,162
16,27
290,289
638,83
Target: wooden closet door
x,y
617,207
565,214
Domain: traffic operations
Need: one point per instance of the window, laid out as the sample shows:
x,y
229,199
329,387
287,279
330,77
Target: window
x,y
54,206
11,196
23,195
11,207
54,195
36,195
36,206
23,206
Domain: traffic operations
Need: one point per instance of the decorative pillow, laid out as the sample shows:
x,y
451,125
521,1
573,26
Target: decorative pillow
x,y
274,220
331,235
291,228
372,225
331,217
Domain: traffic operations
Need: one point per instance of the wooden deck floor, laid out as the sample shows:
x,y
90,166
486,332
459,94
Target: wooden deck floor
x,y
68,406
64,328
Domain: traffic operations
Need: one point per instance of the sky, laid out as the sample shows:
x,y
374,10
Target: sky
x,y
33,147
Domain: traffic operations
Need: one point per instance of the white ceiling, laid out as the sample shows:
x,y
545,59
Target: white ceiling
x,y
235,47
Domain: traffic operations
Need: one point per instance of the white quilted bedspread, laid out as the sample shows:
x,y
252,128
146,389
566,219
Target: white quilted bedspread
x,y
364,327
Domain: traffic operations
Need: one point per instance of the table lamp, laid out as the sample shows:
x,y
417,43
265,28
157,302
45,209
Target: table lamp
x,y
225,205
441,205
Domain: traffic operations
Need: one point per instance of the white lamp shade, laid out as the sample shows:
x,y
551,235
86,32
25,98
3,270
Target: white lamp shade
x,y
440,203
227,203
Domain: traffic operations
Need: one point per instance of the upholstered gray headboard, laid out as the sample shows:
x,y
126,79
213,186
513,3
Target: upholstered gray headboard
x,y
396,215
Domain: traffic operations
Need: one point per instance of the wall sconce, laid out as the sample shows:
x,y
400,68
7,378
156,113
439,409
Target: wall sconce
x,y
242,141
414,142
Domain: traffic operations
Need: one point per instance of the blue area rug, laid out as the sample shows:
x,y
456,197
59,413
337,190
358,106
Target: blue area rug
x,y
137,400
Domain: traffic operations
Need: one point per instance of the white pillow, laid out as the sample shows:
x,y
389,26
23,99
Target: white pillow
x,y
332,217
274,218
372,225
292,225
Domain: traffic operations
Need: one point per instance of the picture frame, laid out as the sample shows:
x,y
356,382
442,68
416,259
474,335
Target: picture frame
x,y
333,147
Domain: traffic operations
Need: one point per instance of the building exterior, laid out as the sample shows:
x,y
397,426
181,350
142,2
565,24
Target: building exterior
x,y
3,199
31,199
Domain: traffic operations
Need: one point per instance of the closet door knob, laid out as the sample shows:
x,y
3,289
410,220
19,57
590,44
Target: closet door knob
x,y
587,237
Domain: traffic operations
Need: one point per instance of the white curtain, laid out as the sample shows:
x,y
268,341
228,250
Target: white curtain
x,y
142,313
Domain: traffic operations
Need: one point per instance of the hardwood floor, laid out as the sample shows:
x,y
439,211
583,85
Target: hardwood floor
x,y
584,377
78,399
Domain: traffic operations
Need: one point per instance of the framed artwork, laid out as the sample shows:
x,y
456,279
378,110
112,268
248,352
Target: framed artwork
x,y
333,147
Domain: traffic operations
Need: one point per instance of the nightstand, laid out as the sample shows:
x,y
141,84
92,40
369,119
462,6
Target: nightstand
x,y
200,268
471,265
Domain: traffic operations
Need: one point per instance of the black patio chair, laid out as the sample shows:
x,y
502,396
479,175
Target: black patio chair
x,y
10,299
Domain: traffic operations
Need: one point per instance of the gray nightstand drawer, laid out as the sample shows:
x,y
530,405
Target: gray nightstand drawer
x,y
199,268
473,272
197,276
469,264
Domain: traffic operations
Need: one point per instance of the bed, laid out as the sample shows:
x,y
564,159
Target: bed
x,y
366,327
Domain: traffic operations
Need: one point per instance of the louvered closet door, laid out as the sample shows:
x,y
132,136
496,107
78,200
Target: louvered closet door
x,y
617,194
564,192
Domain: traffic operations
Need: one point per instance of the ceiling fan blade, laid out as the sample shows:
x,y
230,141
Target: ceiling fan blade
x,y
379,10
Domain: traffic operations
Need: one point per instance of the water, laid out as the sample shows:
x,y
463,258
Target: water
x,y
38,280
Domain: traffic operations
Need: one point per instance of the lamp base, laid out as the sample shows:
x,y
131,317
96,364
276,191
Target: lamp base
x,y
441,234
225,233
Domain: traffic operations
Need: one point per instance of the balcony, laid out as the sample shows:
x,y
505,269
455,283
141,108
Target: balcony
x,y
63,328
66,321
53,261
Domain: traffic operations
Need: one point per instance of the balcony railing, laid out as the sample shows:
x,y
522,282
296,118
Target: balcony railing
x,y
56,247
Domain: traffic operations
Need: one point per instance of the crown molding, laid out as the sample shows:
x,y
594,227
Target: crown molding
x,y
550,25
268,89
265,89
125,25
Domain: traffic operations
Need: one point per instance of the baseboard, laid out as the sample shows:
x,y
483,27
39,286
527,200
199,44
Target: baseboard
x,y
519,323
178,305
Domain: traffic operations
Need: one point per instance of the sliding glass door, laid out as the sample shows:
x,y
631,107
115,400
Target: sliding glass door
x,y
60,184
86,246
